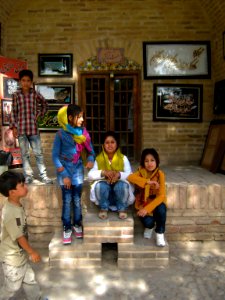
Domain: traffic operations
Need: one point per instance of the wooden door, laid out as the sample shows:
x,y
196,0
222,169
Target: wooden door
x,y
112,103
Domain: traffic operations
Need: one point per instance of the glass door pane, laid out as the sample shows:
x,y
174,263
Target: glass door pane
x,y
96,92
111,103
124,114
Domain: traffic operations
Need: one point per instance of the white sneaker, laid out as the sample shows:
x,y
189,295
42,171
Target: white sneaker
x,y
148,233
67,236
160,240
78,231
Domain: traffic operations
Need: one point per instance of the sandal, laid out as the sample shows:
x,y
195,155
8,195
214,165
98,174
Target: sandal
x,y
103,214
122,215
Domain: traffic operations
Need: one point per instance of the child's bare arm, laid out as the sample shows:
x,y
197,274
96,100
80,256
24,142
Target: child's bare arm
x,y
33,254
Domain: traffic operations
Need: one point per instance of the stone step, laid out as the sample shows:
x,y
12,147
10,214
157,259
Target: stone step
x,y
133,250
143,253
111,230
77,255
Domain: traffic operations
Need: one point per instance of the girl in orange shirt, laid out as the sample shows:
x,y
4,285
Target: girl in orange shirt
x,y
150,200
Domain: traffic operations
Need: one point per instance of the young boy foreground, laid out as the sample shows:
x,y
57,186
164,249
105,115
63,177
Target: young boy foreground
x,y
27,106
14,247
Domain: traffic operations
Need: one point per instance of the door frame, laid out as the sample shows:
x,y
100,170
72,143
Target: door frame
x,y
137,105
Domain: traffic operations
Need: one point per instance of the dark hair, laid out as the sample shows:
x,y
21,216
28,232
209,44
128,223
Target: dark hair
x,y
146,152
26,72
73,110
112,134
9,181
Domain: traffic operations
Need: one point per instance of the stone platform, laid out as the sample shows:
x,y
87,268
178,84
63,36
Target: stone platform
x,y
196,206
133,250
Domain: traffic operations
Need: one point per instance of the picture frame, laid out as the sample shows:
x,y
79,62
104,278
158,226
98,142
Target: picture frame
x,y
173,60
177,102
56,93
6,111
9,86
49,122
55,65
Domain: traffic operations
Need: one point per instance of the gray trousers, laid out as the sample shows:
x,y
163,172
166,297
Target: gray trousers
x,y
17,277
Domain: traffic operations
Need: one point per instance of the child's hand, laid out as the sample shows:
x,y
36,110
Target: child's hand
x,y
60,169
67,182
112,176
89,165
142,212
35,257
115,177
153,182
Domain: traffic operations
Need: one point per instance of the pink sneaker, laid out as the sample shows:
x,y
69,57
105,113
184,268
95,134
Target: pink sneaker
x,y
67,236
78,231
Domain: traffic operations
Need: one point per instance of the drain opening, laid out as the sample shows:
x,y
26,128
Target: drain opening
x,y
109,253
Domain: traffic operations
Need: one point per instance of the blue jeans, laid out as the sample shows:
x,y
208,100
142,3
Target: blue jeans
x,y
71,196
112,195
35,142
158,218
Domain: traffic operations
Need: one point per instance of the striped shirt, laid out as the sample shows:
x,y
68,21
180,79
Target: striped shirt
x,y
26,108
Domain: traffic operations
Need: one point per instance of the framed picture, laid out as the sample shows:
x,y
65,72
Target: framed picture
x,y
8,140
177,102
49,122
55,65
56,93
6,111
10,85
177,60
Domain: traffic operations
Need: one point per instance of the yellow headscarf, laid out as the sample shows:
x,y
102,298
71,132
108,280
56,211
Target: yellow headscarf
x,y
117,163
77,132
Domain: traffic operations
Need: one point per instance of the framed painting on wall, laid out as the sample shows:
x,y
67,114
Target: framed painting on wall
x,y
177,59
9,86
49,122
177,102
55,65
56,93
6,111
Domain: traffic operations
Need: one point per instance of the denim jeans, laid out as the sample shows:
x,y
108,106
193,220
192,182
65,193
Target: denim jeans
x,y
158,219
71,197
112,195
35,142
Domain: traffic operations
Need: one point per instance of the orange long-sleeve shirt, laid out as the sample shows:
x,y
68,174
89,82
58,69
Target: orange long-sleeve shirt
x,y
141,182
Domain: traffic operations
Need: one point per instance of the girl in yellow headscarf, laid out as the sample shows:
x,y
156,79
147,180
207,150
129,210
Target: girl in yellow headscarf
x,y
69,144
110,189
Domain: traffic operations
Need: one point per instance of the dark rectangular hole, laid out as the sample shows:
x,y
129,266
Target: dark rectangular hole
x,y
109,254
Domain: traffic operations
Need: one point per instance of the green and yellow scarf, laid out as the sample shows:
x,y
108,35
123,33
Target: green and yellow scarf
x,y
117,163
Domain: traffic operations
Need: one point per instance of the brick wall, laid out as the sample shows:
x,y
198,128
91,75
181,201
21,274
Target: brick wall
x,y
80,27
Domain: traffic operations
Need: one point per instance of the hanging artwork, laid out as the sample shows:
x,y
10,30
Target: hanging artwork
x,y
177,60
